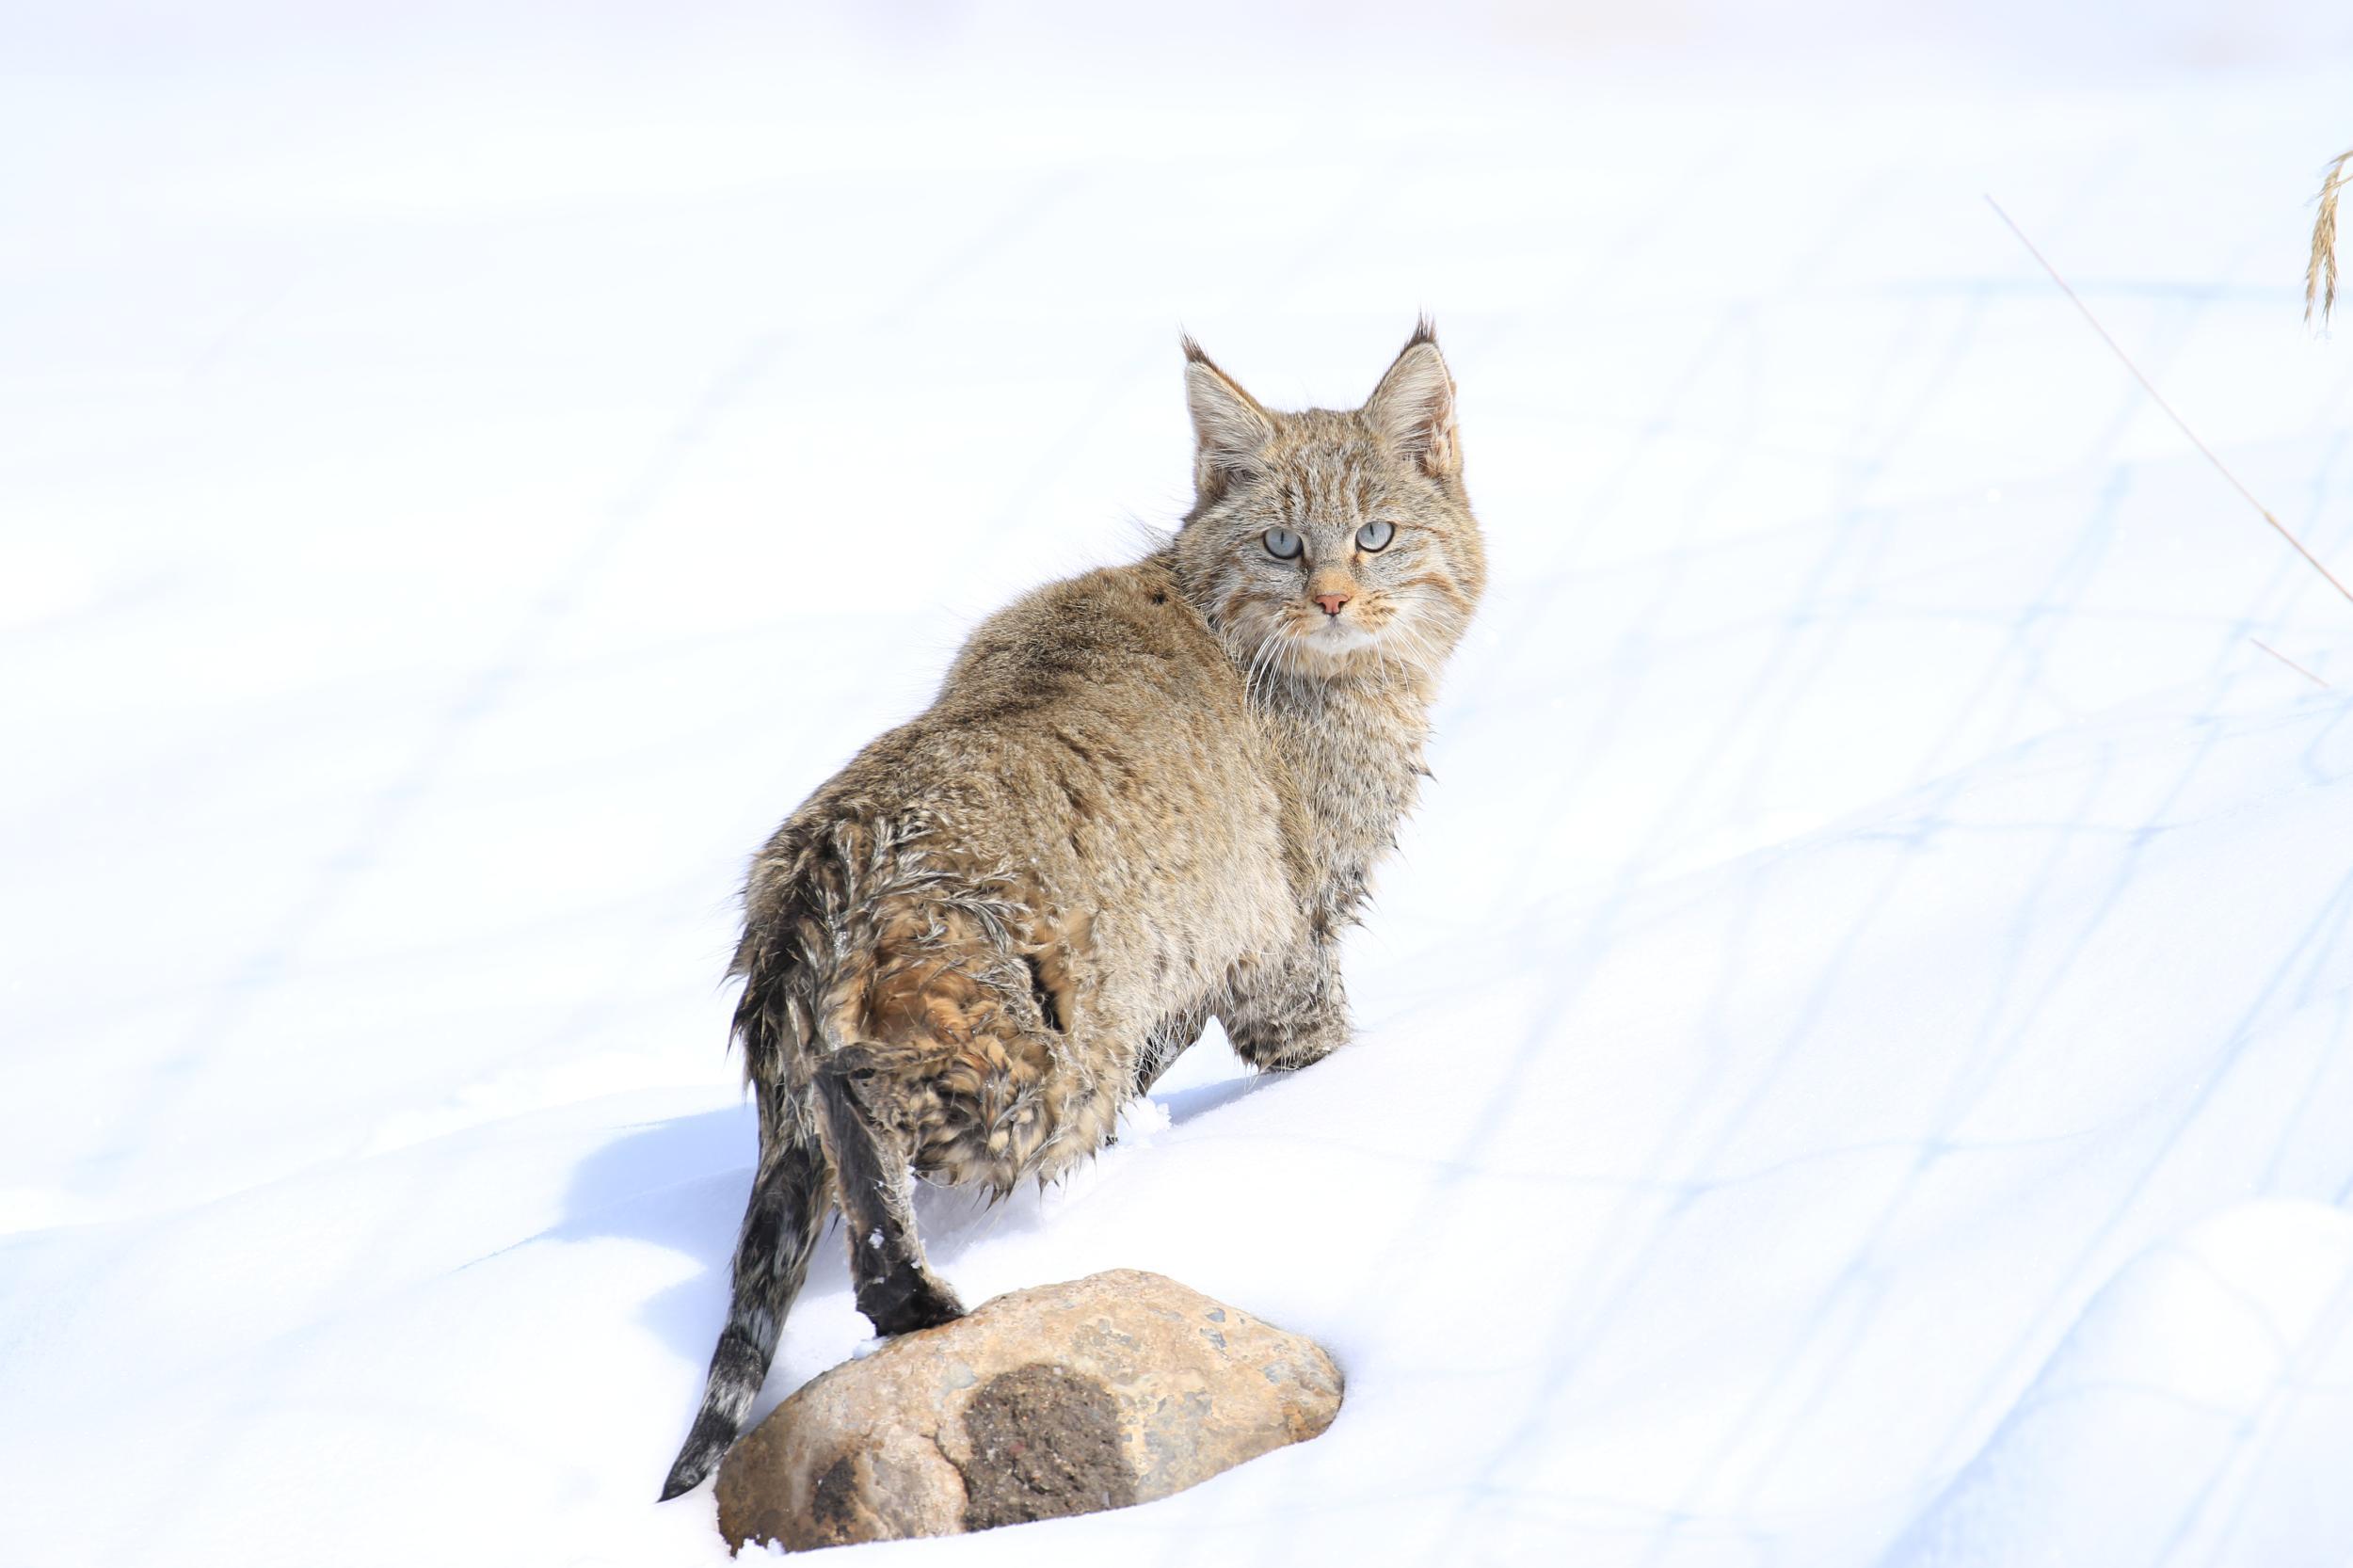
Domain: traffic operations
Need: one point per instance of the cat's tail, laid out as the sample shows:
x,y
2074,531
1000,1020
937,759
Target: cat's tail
x,y
813,905
789,1197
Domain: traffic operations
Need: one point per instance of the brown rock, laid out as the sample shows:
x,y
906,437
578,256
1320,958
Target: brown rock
x,y
1066,1398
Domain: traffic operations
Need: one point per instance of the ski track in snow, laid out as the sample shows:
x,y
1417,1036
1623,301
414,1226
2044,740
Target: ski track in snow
x,y
1853,1059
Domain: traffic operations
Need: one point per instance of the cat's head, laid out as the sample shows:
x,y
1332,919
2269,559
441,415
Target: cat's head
x,y
1324,542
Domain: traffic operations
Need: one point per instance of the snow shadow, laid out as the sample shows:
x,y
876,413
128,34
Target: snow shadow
x,y
681,1185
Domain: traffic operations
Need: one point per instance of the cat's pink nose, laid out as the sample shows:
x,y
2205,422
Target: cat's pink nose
x,y
1330,602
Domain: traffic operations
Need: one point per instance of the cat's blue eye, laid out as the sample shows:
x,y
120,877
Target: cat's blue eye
x,y
1375,536
1282,544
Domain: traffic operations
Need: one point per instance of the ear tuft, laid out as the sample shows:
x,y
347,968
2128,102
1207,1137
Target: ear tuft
x,y
1229,426
1414,406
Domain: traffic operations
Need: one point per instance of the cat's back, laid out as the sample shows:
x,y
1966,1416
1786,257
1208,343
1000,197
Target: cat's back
x,y
1118,642
1095,709
1093,751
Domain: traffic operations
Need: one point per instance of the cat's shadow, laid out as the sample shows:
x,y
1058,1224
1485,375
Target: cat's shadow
x,y
681,1185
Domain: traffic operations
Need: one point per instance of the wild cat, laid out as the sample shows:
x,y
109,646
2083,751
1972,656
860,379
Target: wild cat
x,y
1144,798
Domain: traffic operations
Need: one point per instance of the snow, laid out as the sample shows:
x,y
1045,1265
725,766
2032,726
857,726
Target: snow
x,y
1853,1056
2208,1380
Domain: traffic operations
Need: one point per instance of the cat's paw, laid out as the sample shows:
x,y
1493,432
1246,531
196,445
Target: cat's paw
x,y
1295,1044
906,1300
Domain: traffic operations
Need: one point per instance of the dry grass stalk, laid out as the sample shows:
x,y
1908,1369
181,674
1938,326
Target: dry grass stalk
x,y
2320,274
2290,662
2179,423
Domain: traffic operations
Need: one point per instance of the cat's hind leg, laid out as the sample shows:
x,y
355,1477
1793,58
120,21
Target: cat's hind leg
x,y
896,1288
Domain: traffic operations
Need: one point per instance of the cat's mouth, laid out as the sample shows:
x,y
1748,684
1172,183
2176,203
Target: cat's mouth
x,y
1332,638
1338,631
1307,641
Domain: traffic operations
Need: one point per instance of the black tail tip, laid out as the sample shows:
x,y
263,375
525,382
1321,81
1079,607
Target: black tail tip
x,y
696,1459
686,1475
712,1434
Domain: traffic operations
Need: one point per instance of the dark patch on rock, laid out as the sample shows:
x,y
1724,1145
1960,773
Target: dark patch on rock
x,y
1045,1443
834,1503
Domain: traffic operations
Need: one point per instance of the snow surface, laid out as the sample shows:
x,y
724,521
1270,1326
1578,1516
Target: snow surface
x,y
1853,1064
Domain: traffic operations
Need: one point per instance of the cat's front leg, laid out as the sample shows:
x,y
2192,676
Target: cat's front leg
x,y
896,1288
1290,1013
1172,1037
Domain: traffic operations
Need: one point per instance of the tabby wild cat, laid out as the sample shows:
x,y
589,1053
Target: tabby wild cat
x,y
1144,798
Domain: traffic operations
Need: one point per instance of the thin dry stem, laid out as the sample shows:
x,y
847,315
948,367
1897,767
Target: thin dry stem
x,y
2290,662
2158,398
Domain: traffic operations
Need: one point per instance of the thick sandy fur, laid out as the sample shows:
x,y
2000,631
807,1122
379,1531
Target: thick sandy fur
x,y
1144,798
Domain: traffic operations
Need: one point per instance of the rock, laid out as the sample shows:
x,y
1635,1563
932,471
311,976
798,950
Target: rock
x,y
1066,1399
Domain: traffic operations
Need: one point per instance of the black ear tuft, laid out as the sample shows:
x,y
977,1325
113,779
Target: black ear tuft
x,y
1414,406
1230,427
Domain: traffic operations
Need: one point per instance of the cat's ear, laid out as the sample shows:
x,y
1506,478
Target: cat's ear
x,y
1229,426
1414,406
